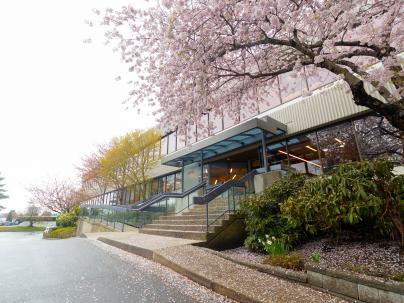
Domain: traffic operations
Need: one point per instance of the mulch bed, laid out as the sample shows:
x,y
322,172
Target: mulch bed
x,y
380,259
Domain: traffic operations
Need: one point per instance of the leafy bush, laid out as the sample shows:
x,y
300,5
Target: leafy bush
x,y
293,261
361,196
60,233
262,214
68,219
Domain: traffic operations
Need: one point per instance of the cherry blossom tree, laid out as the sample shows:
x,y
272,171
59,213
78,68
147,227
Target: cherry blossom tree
x,y
59,196
193,56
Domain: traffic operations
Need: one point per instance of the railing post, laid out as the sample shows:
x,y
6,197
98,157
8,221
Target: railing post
x,y
166,206
207,217
234,200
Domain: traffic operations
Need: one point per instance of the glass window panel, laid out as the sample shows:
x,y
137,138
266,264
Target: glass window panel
x,y
292,85
172,142
378,139
318,77
216,123
249,109
337,145
191,134
192,175
304,155
162,182
178,182
170,185
229,120
181,140
154,187
203,129
164,146
271,97
277,156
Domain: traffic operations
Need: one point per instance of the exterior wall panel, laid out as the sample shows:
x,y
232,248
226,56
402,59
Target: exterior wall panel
x,y
319,109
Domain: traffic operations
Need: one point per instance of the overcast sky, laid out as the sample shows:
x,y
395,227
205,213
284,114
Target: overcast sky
x,y
58,96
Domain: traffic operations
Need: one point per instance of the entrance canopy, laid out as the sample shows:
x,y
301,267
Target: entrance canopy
x,y
243,134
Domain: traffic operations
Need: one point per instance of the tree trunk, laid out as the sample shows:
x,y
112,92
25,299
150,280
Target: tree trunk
x,y
398,223
393,112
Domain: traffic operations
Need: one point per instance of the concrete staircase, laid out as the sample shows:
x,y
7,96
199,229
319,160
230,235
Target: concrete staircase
x,y
191,223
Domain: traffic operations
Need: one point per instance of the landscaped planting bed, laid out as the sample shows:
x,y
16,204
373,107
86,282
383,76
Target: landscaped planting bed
x,y
379,259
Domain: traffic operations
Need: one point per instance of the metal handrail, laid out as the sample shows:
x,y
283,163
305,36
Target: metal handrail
x,y
225,186
170,195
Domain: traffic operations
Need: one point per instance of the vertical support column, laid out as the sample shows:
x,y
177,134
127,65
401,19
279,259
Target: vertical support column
x,y
182,176
201,166
264,150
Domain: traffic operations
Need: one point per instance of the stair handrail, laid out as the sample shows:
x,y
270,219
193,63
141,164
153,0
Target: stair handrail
x,y
170,195
225,186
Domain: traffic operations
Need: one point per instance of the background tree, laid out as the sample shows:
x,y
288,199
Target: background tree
x,y
201,55
2,190
11,215
57,196
130,159
32,213
90,170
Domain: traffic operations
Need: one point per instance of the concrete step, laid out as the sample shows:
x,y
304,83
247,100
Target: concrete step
x,y
185,216
203,211
188,227
186,222
193,235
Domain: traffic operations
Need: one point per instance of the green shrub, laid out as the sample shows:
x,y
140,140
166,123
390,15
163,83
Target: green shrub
x,y
262,214
68,219
60,233
361,196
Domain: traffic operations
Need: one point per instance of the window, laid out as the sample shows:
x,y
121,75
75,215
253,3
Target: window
x,y
164,146
291,86
318,77
169,186
304,154
181,140
191,134
178,182
277,156
271,96
216,122
203,129
378,139
337,145
172,142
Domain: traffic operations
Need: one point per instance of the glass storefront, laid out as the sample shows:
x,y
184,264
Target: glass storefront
x,y
337,145
311,153
303,154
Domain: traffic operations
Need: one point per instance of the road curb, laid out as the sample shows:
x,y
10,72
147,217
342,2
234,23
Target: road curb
x,y
145,253
216,287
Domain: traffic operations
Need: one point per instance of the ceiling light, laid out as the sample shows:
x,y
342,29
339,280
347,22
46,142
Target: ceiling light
x,y
311,148
215,181
296,157
234,176
231,170
339,141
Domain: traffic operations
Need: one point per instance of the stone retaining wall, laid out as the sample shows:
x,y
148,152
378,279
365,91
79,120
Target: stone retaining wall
x,y
350,286
363,289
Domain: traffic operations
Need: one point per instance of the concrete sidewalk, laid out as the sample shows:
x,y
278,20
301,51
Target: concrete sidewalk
x,y
238,282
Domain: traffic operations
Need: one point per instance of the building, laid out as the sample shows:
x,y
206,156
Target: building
x,y
310,127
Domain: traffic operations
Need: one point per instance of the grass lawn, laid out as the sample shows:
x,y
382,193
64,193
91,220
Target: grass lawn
x,y
20,228
60,233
